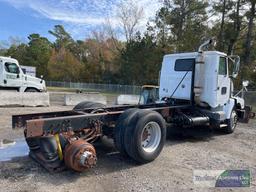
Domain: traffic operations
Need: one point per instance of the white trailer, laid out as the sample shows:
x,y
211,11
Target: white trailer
x,y
29,70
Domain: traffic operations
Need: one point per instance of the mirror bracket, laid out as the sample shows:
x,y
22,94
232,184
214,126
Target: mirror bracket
x,y
236,62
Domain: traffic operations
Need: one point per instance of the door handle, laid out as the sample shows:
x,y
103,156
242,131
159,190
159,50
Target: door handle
x,y
223,90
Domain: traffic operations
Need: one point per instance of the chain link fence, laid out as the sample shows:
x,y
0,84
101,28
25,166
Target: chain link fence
x,y
108,88
250,96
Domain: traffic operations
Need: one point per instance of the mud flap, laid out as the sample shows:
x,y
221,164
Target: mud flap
x,y
245,114
44,151
52,166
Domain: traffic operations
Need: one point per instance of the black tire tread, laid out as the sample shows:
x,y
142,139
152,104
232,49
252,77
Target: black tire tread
x,y
120,127
31,90
228,129
87,105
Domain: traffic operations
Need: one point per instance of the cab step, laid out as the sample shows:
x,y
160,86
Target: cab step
x,y
223,125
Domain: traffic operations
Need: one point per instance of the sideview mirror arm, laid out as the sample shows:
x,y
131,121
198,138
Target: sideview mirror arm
x,y
236,61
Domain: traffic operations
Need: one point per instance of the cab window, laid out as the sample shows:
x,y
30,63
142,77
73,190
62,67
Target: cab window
x,y
11,68
223,66
184,64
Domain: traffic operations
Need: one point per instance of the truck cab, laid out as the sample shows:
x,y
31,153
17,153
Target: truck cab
x,y
183,77
12,77
203,79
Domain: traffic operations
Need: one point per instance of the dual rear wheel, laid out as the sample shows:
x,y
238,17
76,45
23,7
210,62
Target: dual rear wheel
x,y
140,134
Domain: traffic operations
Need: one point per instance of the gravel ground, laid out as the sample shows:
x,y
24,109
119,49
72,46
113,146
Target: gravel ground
x,y
197,148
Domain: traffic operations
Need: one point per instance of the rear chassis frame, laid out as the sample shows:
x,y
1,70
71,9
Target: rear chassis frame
x,y
39,124
92,123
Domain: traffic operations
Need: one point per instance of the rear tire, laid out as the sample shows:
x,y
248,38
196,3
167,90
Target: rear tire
x,y
90,105
87,105
144,136
121,125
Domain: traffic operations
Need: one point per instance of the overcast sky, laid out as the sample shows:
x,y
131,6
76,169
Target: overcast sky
x,y
19,18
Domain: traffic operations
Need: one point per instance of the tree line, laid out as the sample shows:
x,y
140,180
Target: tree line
x,y
178,26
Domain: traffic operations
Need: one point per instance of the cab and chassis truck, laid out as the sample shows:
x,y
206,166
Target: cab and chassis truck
x,y
196,89
12,77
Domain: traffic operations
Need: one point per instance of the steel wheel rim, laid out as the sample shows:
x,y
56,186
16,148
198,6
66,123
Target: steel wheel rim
x,y
150,137
233,120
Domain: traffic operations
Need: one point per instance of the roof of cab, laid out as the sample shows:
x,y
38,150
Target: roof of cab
x,y
193,54
8,59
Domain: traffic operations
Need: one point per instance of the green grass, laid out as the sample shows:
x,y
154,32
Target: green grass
x,y
61,89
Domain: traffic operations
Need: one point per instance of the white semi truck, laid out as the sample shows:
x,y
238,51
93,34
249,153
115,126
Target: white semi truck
x,y
195,89
12,77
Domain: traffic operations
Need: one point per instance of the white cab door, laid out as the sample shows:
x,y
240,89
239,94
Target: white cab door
x,y
12,75
223,86
1,74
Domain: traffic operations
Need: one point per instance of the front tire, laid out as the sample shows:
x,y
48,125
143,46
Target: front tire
x,y
231,123
31,90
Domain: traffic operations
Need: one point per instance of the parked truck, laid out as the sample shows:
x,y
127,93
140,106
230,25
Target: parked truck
x,y
196,89
12,77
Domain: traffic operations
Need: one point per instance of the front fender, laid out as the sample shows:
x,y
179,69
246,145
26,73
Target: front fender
x,y
228,107
239,102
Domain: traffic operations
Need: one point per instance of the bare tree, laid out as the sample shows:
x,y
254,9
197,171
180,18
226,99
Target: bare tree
x,y
236,28
14,40
249,36
112,34
221,33
2,45
130,15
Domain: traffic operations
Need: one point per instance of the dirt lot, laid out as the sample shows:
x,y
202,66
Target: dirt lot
x,y
198,148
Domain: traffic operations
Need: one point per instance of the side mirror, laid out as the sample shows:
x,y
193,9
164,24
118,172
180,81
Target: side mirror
x,y
235,59
245,83
18,73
